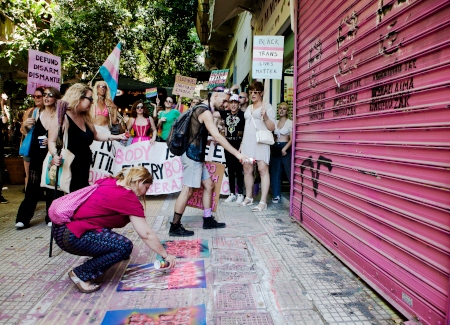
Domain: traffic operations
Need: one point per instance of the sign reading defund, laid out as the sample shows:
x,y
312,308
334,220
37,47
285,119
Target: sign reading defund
x,y
268,57
44,70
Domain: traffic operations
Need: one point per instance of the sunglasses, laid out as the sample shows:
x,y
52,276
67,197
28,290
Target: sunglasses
x,y
140,106
37,96
242,97
169,101
254,92
88,98
48,95
101,86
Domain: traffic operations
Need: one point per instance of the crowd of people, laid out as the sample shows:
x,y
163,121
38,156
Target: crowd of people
x,y
85,114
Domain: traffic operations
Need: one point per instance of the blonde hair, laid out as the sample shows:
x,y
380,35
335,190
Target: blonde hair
x,y
134,175
73,96
108,102
288,107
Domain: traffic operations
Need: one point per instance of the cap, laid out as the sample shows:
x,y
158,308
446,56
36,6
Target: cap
x,y
234,97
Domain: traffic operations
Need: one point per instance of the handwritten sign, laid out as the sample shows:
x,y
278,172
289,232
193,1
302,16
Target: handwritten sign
x,y
184,86
43,70
216,153
216,171
268,57
103,154
151,92
217,78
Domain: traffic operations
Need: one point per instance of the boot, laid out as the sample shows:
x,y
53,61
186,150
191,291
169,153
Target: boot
x,y
177,230
211,223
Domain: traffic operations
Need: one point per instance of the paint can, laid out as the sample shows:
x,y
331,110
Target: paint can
x,y
160,264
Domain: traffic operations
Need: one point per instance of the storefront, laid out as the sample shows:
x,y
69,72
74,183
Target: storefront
x,y
371,178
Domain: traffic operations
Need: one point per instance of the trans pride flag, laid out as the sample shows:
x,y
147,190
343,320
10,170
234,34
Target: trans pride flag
x,y
110,70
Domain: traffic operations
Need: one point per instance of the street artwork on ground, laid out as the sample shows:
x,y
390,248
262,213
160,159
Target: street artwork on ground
x,y
143,277
197,248
193,315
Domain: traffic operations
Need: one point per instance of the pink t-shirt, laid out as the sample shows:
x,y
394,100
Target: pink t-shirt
x,y
110,206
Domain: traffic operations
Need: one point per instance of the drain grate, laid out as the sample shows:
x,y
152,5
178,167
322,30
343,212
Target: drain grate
x,y
244,319
235,273
223,256
229,242
238,297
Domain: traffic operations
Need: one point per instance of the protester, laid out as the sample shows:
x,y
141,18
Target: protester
x,y
243,101
113,204
195,172
3,121
103,111
42,127
28,122
234,123
81,132
281,151
167,117
195,101
141,123
258,116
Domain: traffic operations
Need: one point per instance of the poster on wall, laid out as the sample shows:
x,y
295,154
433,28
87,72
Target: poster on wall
x,y
218,78
44,70
184,86
268,57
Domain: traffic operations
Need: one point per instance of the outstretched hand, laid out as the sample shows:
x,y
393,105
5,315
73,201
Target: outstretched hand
x,y
171,260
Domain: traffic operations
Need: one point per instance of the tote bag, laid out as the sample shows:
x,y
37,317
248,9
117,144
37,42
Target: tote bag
x,y
26,143
48,177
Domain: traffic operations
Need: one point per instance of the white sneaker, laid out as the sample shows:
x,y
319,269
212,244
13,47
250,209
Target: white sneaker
x,y
231,198
20,225
49,224
276,199
240,199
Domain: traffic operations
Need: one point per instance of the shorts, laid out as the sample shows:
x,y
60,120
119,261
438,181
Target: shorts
x,y
194,172
27,159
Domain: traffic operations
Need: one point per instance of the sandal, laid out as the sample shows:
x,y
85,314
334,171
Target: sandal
x,y
78,283
247,201
258,208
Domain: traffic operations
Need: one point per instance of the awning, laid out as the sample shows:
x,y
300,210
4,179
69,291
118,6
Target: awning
x,y
223,10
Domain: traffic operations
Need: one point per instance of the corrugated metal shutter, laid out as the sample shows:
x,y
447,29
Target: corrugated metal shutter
x,y
372,158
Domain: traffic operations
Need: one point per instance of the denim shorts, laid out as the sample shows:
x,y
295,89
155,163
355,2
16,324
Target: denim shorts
x,y
194,172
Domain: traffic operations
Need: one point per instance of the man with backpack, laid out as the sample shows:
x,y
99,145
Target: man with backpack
x,y
195,172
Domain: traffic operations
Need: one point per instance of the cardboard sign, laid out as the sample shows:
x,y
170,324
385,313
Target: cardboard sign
x,y
44,70
218,78
184,86
216,153
267,57
216,170
151,92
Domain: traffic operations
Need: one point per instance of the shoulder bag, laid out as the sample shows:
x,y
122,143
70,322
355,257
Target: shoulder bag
x,y
26,143
263,136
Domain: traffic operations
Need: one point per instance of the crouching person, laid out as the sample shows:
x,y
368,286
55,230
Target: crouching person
x,y
112,203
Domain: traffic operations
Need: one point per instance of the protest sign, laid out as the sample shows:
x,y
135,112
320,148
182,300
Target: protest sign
x,y
151,92
166,169
217,78
184,86
103,154
216,170
43,70
216,153
267,57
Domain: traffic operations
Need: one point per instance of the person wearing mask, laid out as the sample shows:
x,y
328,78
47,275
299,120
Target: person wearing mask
x,y
195,173
166,117
3,121
258,116
281,151
28,122
80,133
90,231
42,126
234,123
141,123
243,101
103,111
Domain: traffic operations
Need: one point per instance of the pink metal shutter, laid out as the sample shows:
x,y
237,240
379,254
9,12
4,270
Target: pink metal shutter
x,y
372,138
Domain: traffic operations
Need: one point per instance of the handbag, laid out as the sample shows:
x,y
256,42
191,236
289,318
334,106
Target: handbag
x,y
26,143
263,136
49,171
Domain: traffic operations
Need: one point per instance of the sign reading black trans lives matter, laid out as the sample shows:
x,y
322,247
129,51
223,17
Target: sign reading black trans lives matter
x,y
44,70
268,57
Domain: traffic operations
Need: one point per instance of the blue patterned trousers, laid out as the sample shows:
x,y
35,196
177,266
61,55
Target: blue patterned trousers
x,y
106,248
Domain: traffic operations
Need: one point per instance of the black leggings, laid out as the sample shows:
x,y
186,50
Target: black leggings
x,y
234,173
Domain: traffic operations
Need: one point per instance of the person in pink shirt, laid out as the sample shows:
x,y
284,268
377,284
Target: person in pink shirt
x,y
113,204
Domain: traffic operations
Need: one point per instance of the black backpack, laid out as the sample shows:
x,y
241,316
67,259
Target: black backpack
x,y
178,139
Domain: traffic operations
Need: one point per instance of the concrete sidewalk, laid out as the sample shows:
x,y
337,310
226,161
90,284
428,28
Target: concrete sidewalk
x,y
286,274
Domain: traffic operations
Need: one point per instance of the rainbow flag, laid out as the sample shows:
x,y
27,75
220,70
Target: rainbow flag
x,y
151,92
110,70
